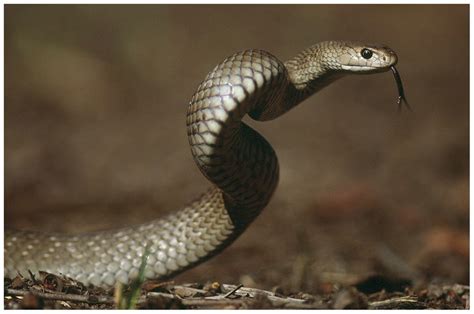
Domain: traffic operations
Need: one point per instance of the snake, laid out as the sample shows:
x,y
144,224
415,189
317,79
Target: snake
x,y
239,162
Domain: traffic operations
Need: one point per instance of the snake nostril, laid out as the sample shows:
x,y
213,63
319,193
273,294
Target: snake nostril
x,y
384,58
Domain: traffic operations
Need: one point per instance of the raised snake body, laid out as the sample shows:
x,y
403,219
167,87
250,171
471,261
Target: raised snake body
x,y
239,162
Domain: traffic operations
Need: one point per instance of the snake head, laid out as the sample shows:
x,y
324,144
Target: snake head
x,y
360,58
327,61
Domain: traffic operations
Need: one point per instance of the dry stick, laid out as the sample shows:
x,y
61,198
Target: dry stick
x,y
398,303
160,294
220,301
286,302
252,292
189,289
62,297
214,303
247,294
231,292
32,276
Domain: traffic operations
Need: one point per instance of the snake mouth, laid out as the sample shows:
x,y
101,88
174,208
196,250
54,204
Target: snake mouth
x,y
364,69
368,69
401,92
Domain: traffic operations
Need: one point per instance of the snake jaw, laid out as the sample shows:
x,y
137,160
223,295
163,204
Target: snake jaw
x,y
363,69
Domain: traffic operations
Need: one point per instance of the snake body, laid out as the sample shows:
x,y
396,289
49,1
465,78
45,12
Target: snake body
x,y
240,163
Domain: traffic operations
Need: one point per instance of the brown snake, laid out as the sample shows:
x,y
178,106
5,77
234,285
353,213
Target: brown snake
x,y
239,162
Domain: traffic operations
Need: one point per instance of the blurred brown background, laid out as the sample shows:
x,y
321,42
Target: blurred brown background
x,y
95,138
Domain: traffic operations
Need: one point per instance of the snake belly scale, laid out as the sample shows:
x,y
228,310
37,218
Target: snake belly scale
x,y
240,163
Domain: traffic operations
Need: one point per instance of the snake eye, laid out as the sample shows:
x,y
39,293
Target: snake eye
x,y
366,53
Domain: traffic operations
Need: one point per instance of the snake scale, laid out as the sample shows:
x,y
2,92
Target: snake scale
x,y
240,163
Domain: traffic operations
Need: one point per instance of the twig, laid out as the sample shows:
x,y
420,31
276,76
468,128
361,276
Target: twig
x,y
220,301
160,294
189,289
253,292
212,303
247,295
91,299
32,276
398,303
231,292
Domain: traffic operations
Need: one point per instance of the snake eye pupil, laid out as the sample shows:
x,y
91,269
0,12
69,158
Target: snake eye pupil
x,y
366,53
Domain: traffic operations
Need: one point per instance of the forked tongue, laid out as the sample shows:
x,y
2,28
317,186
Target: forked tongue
x,y
401,93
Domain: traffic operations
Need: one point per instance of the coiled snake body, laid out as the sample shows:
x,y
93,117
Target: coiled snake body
x,y
239,162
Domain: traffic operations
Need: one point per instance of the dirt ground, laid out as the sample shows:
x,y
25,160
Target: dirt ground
x,y
95,100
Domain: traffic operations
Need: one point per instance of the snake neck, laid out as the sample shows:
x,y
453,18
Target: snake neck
x,y
315,68
229,153
307,73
